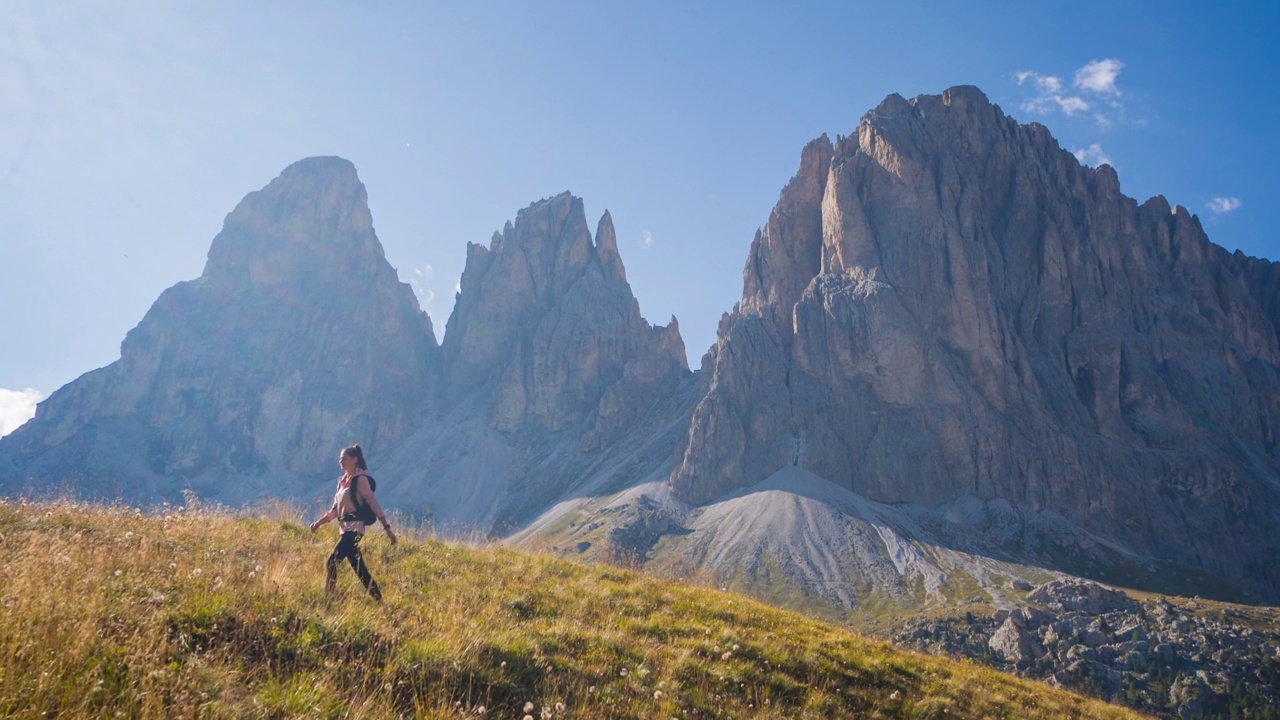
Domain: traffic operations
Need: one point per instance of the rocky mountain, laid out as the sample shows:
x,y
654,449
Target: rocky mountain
x,y
553,385
961,361
296,340
547,329
947,310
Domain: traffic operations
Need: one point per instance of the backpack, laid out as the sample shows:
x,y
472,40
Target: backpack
x,y
363,511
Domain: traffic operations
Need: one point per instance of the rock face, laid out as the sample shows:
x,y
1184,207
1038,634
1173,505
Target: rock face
x,y
547,331
553,386
946,305
1185,660
297,339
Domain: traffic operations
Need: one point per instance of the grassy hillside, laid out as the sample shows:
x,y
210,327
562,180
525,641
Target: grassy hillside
x,y
109,612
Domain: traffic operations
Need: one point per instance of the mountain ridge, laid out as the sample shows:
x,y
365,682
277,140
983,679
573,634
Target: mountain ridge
x,y
1004,366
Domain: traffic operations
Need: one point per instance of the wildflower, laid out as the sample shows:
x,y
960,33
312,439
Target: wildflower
x,y
559,707
197,572
624,673
545,714
480,710
528,707
173,566
657,694
895,695
252,574
591,689
386,686
726,656
735,647
118,573
128,535
527,717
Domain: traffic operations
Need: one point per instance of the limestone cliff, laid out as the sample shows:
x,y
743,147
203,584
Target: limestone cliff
x,y
947,305
546,329
296,339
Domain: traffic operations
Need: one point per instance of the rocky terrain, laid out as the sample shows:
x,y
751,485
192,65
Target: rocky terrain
x,y
1192,659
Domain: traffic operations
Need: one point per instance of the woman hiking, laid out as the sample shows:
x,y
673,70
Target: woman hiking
x,y
353,506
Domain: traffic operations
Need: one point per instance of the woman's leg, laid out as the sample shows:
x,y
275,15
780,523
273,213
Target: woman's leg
x,y
342,550
356,558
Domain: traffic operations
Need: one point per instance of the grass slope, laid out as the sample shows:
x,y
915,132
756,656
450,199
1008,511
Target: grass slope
x,y
108,612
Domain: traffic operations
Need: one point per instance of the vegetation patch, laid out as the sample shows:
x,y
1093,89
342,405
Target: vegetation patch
x,y
205,614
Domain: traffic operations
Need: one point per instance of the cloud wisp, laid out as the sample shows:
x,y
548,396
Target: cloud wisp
x,y
1219,205
1093,155
1099,76
646,239
1093,88
1049,95
418,280
17,407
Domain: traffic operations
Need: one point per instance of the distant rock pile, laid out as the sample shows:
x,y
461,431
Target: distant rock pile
x,y
1176,661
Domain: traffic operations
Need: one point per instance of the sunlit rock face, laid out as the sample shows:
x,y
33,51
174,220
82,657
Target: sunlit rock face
x,y
295,340
547,331
946,304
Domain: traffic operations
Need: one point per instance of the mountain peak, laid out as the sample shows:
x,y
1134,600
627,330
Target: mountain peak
x,y
981,297
310,224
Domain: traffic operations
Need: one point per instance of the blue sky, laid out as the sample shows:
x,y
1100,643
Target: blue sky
x,y
129,130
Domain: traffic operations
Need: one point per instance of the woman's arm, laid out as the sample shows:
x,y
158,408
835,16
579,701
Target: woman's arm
x,y
362,487
327,517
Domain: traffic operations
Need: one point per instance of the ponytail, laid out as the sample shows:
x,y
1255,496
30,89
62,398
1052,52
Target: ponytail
x,y
355,452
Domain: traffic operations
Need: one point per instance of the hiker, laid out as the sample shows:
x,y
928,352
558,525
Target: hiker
x,y
354,507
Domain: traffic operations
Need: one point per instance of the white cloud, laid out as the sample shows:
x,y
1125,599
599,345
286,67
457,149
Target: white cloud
x,y
1049,95
1047,84
1099,76
1071,105
1092,155
418,281
17,407
646,240
1095,83
1219,205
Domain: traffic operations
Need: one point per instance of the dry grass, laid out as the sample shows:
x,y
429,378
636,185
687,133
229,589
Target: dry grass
x,y
109,613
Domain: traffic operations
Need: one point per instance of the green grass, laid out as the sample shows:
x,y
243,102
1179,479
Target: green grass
x,y
109,612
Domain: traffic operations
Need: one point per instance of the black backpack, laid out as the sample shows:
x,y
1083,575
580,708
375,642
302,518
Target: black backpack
x,y
364,511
